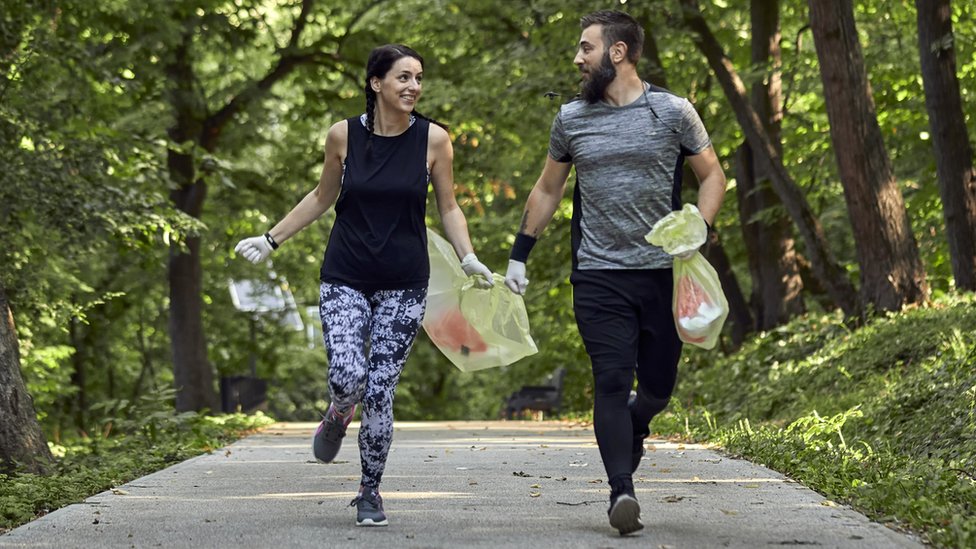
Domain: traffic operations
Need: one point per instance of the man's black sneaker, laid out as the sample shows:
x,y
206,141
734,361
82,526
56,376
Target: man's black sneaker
x,y
328,437
637,451
369,509
636,454
624,512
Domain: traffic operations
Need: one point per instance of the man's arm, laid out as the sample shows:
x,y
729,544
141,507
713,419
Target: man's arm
x,y
539,209
711,183
544,198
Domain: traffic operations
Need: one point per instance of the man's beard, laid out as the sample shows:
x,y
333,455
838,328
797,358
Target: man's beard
x,y
596,85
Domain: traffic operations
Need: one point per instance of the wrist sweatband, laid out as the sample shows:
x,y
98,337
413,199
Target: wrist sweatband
x,y
271,241
522,247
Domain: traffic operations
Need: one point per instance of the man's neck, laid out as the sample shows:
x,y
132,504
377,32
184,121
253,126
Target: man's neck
x,y
626,88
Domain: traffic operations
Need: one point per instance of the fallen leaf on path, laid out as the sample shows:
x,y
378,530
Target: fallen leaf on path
x,y
728,512
535,486
521,474
672,499
828,503
534,495
596,481
119,492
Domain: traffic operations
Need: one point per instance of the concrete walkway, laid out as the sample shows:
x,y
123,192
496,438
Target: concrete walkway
x,y
454,484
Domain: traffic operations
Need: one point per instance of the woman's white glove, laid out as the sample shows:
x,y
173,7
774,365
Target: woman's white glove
x,y
255,249
515,277
471,267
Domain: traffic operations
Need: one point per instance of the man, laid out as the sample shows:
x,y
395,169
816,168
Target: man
x,y
628,142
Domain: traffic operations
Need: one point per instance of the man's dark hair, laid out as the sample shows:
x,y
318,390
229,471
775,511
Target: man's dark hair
x,y
618,27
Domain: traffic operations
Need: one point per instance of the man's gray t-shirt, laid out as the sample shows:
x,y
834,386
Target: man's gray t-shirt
x,y
628,167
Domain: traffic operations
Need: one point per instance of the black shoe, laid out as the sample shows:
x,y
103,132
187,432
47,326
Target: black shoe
x,y
624,512
636,453
328,437
637,450
369,509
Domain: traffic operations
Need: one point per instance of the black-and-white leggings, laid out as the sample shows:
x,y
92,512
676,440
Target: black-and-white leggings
x,y
368,336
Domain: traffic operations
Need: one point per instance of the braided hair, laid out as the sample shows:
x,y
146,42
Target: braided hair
x,y
380,61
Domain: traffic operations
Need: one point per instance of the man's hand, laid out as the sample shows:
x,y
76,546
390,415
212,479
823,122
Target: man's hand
x,y
255,249
471,267
515,277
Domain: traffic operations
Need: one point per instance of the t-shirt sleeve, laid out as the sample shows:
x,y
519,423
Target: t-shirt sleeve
x,y
558,142
694,138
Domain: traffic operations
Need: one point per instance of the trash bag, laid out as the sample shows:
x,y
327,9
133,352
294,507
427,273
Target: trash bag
x,y
474,328
699,304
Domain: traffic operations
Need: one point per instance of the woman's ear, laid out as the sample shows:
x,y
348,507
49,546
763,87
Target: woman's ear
x,y
375,84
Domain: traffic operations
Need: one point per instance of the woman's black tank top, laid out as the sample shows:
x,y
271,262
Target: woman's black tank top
x,y
379,239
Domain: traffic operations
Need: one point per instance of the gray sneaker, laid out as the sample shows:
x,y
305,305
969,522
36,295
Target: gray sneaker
x,y
624,512
369,509
328,437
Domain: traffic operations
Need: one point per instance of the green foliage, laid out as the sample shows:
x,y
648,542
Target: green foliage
x,y
883,418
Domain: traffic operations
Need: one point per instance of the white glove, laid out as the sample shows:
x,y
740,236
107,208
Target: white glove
x,y
255,249
515,277
471,267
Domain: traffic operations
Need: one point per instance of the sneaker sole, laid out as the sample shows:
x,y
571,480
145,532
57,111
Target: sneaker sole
x,y
625,515
371,522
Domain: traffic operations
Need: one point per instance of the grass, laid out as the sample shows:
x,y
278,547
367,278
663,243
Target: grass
x,y
882,418
88,466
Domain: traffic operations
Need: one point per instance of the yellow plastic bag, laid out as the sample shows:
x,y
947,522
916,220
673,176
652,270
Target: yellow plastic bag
x,y
474,328
699,304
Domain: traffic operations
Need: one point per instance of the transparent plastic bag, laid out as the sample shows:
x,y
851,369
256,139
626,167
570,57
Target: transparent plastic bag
x,y
474,328
699,304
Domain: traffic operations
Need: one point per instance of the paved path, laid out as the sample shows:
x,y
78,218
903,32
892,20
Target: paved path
x,y
454,484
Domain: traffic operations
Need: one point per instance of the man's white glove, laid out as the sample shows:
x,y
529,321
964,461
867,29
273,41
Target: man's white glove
x,y
471,267
255,249
515,277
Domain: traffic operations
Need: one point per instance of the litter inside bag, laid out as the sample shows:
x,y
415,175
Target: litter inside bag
x,y
474,328
699,304
700,307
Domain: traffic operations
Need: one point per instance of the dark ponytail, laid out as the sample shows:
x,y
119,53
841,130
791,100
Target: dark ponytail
x,y
380,61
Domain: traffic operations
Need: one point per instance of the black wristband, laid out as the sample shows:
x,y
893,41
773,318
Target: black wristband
x,y
523,245
271,241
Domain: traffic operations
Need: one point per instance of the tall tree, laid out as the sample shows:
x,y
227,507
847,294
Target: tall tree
x,y
22,444
826,268
892,273
953,151
776,283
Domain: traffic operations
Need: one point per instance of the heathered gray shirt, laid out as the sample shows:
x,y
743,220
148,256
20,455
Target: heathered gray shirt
x,y
628,167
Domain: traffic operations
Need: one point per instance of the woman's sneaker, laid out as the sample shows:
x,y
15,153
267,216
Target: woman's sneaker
x,y
369,509
328,437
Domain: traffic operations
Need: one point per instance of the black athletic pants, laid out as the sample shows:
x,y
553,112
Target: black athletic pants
x,y
625,320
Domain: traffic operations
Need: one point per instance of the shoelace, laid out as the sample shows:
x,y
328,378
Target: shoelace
x,y
376,500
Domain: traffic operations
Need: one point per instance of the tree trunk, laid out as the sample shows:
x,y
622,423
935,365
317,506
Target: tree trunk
x,y
777,287
193,374
892,274
22,444
827,269
953,152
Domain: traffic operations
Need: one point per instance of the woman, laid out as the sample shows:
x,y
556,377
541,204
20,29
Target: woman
x,y
375,272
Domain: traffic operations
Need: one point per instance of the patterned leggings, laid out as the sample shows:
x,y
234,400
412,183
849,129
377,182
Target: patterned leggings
x,y
368,336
